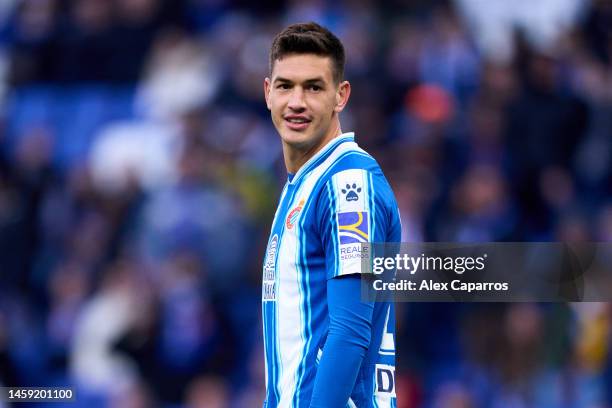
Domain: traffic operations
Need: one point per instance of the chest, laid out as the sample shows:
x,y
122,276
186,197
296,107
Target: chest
x,y
294,249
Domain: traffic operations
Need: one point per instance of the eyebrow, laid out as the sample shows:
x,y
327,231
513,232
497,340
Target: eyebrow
x,y
308,81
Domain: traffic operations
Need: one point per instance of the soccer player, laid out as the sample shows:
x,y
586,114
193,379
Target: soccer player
x,y
324,347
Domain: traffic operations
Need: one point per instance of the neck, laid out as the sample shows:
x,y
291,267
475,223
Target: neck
x,y
296,157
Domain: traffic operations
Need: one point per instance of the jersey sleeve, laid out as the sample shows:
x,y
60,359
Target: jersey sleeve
x,y
352,211
349,336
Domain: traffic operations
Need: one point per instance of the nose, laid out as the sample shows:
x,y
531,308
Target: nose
x,y
296,99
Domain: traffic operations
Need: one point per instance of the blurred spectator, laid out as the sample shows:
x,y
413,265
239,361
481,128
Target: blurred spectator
x,y
132,154
493,22
542,114
95,365
68,287
597,27
481,210
181,76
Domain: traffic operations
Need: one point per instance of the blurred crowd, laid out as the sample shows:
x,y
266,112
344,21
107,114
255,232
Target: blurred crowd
x,y
139,173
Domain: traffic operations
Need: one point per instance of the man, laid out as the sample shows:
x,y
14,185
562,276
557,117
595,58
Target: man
x,y
324,347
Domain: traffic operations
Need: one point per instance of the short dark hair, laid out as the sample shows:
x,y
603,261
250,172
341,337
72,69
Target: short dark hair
x,y
309,38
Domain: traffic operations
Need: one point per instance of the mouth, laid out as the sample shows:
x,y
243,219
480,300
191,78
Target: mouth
x,y
296,122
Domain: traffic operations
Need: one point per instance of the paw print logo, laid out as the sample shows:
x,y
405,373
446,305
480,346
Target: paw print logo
x,y
351,192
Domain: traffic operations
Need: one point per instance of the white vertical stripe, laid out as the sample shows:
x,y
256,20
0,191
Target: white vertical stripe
x,y
387,345
373,210
333,220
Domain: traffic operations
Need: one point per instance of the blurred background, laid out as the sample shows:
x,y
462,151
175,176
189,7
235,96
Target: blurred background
x,y
139,173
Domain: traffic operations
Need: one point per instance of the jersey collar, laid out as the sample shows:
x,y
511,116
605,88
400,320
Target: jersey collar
x,y
321,155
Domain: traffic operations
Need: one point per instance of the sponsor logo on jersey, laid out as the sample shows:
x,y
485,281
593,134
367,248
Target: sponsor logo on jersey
x,y
351,192
385,379
353,227
294,214
269,276
353,252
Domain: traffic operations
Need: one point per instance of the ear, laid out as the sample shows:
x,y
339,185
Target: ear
x,y
267,88
342,96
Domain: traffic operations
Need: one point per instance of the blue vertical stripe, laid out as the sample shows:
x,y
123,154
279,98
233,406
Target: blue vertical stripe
x,y
372,206
334,221
374,402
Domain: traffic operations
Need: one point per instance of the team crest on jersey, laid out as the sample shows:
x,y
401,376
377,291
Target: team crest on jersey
x,y
269,276
353,227
294,214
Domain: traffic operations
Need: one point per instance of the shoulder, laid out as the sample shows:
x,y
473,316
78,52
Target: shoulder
x,y
349,172
354,159
349,160
360,168
357,174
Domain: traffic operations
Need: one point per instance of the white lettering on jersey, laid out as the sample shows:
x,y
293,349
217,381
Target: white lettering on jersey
x,y
269,278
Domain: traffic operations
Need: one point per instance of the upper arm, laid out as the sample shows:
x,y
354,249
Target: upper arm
x,y
352,210
349,316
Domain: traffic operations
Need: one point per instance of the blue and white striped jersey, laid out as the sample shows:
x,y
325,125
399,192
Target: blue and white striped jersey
x,y
337,200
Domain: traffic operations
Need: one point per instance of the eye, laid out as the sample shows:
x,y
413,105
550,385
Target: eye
x,y
282,86
315,88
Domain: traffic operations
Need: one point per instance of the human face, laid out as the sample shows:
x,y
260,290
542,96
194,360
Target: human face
x,y
304,101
